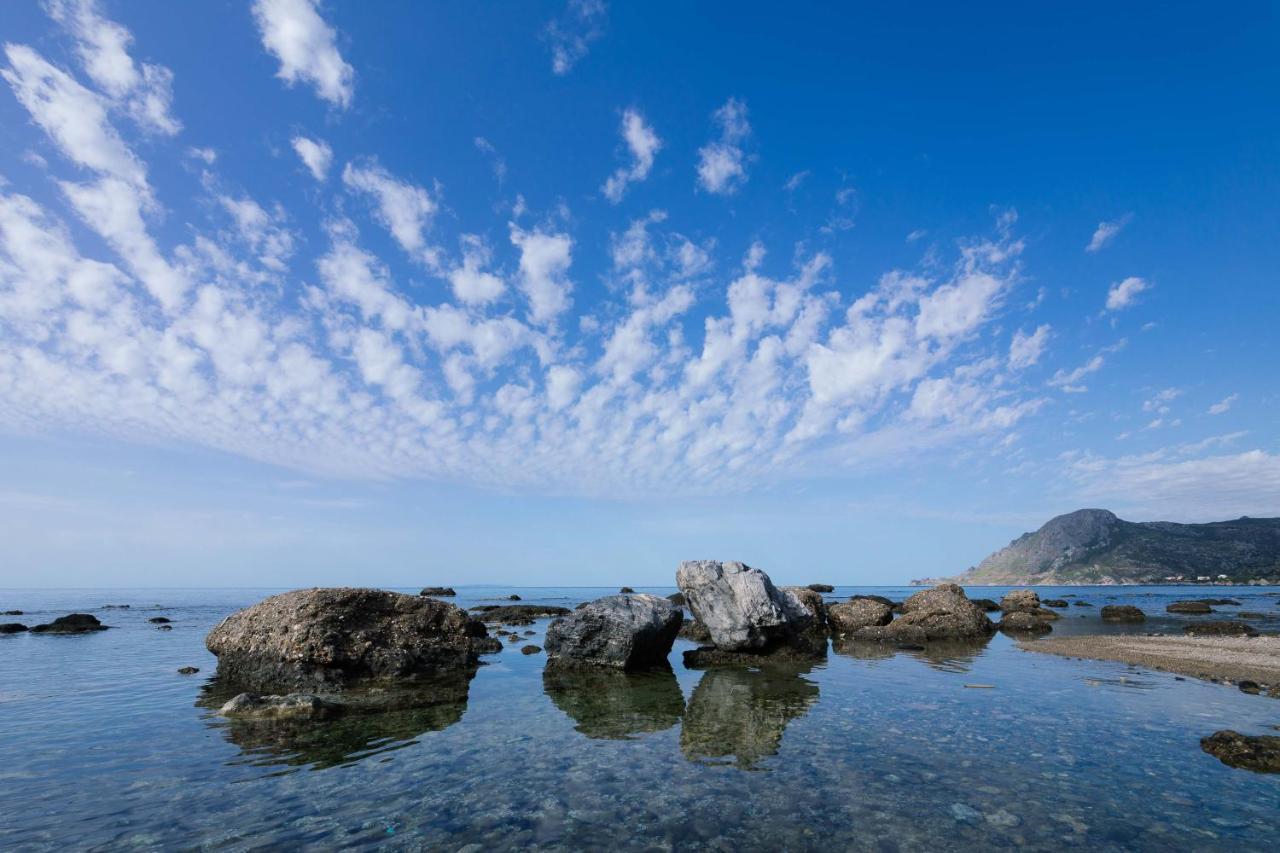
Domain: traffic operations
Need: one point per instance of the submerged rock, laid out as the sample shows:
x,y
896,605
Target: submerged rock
x,y
802,649
621,631
12,628
12,613
188,670
1122,613
438,591
849,616
740,606
1021,622
821,587
1221,628
1189,607
940,613
530,650
1054,602
292,705
1081,604
1260,753
1215,602
159,620
333,638
1020,599
74,623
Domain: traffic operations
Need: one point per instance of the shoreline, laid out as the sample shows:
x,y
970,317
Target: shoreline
x,y
1221,659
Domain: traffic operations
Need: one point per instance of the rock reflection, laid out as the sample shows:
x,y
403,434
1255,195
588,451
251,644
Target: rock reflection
x,y
944,655
737,715
613,705
369,722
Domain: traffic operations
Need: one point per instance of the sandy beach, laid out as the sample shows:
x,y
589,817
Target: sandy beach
x,y
1233,659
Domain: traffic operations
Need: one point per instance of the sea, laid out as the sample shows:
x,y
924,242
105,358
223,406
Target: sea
x,y
105,746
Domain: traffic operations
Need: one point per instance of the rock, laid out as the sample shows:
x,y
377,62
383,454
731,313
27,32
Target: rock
x,y
987,605
1251,614
1215,602
292,705
530,650
626,590
12,628
1260,753
620,631
812,602
513,638
821,587
338,637
1054,602
1188,607
1020,599
1250,687
740,606
964,813
1021,622
692,629
530,633
1221,628
13,613
849,616
677,598
1081,604
164,627
1042,613
438,591
1003,819
513,597
940,613
887,602
188,670
1122,613
804,648
159,620
75,623
611,704
519,614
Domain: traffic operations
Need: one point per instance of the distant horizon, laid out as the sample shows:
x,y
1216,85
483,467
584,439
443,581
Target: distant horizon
x,y
307,291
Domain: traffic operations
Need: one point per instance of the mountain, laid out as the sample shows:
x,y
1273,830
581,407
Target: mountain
x,y
1094,546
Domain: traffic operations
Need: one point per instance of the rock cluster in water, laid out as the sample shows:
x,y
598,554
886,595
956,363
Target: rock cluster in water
x,y
74,623
1022,613
1122,613
1260,753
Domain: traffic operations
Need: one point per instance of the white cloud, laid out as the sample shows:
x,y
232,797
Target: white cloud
x,y
570,36
722,163
1070,380
1160,402
1222,406
1106,232
144,91
544,267
1123,293
403,208
644,145
305,45
73,117
1025,350
499,164
471,284
315,154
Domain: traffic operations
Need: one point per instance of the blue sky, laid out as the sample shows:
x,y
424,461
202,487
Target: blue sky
x,y
540,293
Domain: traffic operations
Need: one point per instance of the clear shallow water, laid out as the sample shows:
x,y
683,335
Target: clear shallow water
x,y
103,745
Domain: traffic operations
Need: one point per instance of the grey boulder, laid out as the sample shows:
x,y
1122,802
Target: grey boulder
x,y
740,606
619,631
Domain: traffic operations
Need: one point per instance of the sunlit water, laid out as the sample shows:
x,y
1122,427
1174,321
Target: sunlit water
x,y
104,745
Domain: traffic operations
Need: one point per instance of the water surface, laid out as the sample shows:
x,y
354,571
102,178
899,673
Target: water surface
x,y
103,744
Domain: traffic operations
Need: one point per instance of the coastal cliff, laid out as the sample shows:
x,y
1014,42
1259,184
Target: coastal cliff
x,y
1094,546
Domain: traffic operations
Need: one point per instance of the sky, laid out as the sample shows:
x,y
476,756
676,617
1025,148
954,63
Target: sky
x,y
303,293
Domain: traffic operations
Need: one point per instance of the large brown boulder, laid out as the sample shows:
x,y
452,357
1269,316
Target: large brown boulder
x,y
1189,607
940,613
334,638
848,616
1022,622
1122,613
1020,600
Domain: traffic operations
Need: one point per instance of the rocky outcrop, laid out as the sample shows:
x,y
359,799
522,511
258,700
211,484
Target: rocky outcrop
x,y
941,613
821,587
1019,600
1022,622
626,590
188,670
740,606
619,631
1260,753
1188,607
518,614
12,628
849,616
289,706
1094,546
1122,613
812,602
159,620
334,638
74,623
1221,628
438,592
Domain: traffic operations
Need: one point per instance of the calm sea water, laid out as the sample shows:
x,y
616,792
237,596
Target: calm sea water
x,y
104,746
